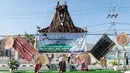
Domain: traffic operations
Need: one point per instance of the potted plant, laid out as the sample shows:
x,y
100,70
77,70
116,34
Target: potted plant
x,y
114,64
13,65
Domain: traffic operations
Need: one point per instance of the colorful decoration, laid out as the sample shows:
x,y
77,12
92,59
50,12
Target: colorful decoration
x,y
83,57
42,58
24,48
123,39
9,41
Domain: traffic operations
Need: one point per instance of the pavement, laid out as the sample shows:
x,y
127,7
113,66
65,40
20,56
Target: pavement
x,y
44,67
31,66
127,72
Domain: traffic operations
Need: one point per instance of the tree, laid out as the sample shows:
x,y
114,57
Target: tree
x,y
30,38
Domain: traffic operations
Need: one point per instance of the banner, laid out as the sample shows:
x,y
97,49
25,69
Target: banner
x,y
62,42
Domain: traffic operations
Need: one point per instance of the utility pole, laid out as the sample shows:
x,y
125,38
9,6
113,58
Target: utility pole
x,y
113,15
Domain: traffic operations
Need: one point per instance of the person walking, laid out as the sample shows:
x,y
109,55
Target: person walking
x,y
84,66
62,65
38,66
126,60
103,62
50,58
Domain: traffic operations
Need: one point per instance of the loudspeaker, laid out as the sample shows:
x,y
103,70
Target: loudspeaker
x,y
102,47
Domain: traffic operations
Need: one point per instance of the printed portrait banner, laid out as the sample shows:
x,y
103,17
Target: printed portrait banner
x,y
62,42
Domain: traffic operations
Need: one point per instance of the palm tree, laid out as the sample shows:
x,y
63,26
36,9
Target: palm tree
x,y
30,38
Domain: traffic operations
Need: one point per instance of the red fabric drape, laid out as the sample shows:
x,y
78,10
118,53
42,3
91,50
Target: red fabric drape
x,y
24,48
38,67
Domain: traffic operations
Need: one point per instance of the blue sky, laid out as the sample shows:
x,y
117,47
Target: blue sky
x,y
18,16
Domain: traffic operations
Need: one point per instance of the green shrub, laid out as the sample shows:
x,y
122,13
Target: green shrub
x,y
115,62
13,64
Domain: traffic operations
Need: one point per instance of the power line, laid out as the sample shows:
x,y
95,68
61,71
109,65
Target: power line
x,y
120,6
103,31
50,12
121,23
110,4
39,15
42,12
91,9
125,7
124,29
36,34
98,25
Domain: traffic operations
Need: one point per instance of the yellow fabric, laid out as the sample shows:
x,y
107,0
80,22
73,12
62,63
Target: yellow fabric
x,y
103,61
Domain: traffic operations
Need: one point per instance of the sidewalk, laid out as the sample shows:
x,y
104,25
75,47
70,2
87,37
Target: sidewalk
x,y
31,67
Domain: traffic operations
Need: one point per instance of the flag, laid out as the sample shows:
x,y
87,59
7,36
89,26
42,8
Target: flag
x,y
24,48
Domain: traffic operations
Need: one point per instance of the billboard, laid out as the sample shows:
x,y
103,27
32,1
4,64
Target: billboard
x,y
62,42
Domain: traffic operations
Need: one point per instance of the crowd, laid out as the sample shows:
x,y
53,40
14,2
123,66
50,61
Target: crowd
x,y
73,59
70,59
63,61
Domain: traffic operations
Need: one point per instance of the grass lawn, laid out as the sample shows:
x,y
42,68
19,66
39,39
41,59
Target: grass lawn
x,y
98,71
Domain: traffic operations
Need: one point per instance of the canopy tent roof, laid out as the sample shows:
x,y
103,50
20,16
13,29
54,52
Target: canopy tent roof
x,y
62,22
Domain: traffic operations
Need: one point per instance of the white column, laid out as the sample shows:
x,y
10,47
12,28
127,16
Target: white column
x,y
16,56
36,42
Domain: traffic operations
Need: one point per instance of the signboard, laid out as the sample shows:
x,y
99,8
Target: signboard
x,y
62,42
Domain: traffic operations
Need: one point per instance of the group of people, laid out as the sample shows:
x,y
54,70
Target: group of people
x,y
62,64
103,62
84,64
61,67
